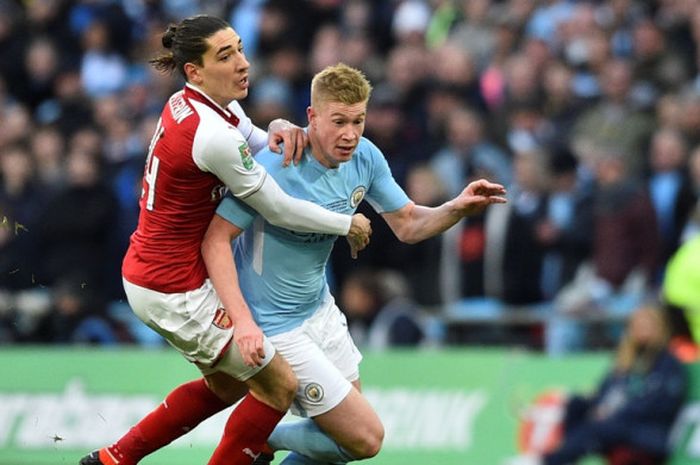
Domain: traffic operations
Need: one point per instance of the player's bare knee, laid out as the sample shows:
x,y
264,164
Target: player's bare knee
x,y
275,385
225,387
285,388
374,441
369,443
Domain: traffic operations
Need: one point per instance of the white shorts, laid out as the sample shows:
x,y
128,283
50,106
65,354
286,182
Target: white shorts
x,y
323,357
196,324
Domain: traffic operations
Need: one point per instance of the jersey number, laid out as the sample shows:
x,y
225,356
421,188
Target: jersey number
x,y
151,171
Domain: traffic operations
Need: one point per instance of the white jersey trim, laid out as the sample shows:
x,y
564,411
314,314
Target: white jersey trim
x,y
256,137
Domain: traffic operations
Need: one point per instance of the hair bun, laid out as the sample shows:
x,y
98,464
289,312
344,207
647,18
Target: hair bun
x,y
169,36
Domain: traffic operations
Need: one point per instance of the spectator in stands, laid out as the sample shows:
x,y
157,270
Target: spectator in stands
x,y
690,114
76,317
561,106
657,67
513,262
694,167
633,409
625,253
615,121
48,147
77,226
565,233
380,311
468,154
670,187
20,204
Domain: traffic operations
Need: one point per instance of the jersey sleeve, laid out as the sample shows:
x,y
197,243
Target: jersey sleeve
x,y
236,212
384,193
256,137
222,151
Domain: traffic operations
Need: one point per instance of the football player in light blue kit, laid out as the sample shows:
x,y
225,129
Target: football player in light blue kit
x,y
282,273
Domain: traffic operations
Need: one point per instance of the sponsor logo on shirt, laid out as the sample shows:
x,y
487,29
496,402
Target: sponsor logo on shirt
x,y
246,156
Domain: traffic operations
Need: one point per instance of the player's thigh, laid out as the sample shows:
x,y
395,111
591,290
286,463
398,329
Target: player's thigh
x,y
328,328
354,425
196,324
193,322
321,385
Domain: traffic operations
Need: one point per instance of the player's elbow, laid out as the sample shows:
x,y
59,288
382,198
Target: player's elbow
x,y
406,236
410,240
207,248
211,242
206,245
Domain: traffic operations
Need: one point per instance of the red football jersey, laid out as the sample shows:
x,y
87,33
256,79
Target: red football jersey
x,y
197,152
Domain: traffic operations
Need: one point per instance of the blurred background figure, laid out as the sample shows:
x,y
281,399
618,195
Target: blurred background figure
x,y
77,227
671,190
681,291
566,231
625,253
380,311
76,317
632,410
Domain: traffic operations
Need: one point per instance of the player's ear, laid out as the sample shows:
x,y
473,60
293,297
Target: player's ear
x,y
192,73
310,115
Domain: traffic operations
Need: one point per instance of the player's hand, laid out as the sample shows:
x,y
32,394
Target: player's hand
x,y
358,236
478,195
249,339
293,137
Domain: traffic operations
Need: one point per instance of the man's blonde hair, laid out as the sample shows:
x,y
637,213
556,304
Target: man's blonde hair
x,y
340,83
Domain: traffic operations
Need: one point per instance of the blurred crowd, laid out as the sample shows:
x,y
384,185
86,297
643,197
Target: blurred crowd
x,y
588,111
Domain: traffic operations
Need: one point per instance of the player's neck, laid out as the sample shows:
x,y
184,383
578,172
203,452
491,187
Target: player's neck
x,y
315,148
222,104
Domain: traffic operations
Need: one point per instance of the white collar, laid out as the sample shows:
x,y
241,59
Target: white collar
x,y
226,111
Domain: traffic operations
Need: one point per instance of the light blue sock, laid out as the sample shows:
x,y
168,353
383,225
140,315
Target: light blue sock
x,y
306,438
297,459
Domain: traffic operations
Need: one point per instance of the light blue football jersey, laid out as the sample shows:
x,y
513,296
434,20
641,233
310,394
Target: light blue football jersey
x,y
282,272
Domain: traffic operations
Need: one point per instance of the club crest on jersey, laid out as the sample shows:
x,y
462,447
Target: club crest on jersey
x,y
246,156
357,195
221,319
313,392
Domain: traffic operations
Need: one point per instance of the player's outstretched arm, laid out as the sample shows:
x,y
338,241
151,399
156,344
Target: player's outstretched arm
x,y
414,223
281,209
218,258
249,182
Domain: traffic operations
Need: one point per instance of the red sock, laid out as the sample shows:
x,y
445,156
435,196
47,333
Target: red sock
x,y
246,432
183,409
